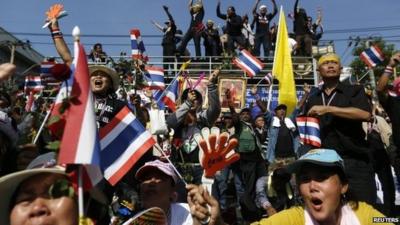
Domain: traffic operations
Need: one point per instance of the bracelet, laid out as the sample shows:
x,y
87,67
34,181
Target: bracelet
x,y
57,34
388,70
205,221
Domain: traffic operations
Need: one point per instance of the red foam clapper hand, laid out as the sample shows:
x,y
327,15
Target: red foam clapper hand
x,y
217,152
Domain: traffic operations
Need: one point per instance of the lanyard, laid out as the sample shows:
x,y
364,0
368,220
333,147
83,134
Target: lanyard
x,y
329,100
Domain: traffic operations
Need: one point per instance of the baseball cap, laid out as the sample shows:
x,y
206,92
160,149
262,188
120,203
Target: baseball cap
x,y
263,7
166,168
319,156
245,110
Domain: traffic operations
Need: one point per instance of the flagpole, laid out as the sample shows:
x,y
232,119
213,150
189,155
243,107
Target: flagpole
x,y
76,34
80,192
169,161
42,125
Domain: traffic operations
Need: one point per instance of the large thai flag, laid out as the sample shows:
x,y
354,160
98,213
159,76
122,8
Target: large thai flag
x,y
80,143
154,77
33,84
309,130
248,63
138,49
123,141
372,56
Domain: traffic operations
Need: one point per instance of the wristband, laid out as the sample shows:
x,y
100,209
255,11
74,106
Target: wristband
x,y
56,34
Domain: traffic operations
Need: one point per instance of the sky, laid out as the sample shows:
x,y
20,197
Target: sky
x,y
342,19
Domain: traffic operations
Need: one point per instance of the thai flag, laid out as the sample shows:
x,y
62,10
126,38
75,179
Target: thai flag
x,y
138,49
155,78
309,130
268,78
30,104
168,97
123,141
248,63
33,84
45,72
80,143
372,56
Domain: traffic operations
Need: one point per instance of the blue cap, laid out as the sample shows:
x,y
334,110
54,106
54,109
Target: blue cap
x,y
319,156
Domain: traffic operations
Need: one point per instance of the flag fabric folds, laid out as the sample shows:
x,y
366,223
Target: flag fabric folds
x,y
138,49
268,78
282,69
171,95
309,131
80,143
45,72
123,141
154,77
248,63
372,56
33,84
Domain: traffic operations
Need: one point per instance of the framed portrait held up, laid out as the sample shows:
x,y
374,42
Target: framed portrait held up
x,y
237,88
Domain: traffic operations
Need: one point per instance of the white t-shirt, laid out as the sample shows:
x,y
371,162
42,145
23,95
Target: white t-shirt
x,y
180,214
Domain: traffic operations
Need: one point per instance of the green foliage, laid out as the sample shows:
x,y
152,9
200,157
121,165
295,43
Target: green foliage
x,y
54,145
360,68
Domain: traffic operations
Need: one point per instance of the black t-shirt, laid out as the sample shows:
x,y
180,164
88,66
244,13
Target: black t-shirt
x,y
391,105
262,23
346,136
300,24
284,143
196,18
169,35
106,109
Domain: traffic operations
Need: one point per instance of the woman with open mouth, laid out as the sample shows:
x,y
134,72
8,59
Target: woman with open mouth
x,y
323,187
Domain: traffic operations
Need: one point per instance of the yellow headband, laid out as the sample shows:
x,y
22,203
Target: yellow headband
x,y
328,57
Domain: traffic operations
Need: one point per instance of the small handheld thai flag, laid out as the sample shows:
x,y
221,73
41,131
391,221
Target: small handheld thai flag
x,y
248,63
372,56
309,130
45,72
268,78
154,77
33,84
168,97
123,141
138,49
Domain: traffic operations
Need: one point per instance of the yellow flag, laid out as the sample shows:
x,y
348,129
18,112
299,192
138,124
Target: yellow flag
x,y
282,69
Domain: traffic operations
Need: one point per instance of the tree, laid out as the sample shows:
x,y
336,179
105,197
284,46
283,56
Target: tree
x,y
360,68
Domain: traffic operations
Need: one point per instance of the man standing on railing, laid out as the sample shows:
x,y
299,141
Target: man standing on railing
x,y
168,41
195,29
262,20
211,39
233,27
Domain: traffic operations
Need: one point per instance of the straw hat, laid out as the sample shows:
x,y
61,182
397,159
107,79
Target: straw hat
x,y
110,72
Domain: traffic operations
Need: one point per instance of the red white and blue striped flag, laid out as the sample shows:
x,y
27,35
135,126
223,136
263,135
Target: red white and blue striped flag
x,y
154,77
372,56
138,49
123,141
45,72
248,63
168,97
269,78
80,143
33,84
309,130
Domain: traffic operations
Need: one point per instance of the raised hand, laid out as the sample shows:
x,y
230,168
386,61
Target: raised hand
x,y
217,152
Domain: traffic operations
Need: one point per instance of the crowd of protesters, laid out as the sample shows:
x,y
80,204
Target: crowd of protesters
x,y
333,184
